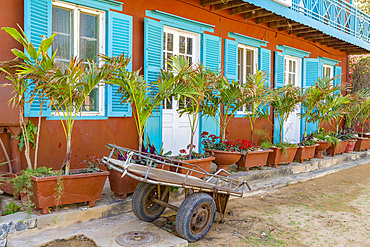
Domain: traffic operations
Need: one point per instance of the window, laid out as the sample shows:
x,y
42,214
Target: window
x,y
328,71
292,73
247,64
80,33
180,43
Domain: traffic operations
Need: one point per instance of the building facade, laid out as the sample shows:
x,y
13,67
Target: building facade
x,y
293,41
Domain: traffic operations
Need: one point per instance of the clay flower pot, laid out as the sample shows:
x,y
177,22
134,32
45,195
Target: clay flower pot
x,y
362,144
7,186
204,163
337,149
305,153
323,145
80,187
224,158
254,158
121,186
278,156
350,146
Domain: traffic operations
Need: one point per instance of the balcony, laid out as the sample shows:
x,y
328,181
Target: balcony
x,y
334,23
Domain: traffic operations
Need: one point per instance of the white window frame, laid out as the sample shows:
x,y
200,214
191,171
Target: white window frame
x,y
196,47
243,78
331,67
298,74
76,10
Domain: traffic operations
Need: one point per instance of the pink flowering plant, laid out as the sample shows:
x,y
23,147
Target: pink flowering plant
x,y
214,142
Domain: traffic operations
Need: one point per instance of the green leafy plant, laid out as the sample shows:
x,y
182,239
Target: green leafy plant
x,y
23,184
69,89
92,164
145,97
329,137
12,208
29,78
257,96
223,101
31,131
284,100
200,82
266,144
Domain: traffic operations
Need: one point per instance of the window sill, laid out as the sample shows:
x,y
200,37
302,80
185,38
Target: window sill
x,y
80,118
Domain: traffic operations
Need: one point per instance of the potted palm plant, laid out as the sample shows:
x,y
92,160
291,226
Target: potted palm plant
x,y
199,82
338,108
67,91
257,96
284,100
28,85
319,111
220,104
363,143
144,98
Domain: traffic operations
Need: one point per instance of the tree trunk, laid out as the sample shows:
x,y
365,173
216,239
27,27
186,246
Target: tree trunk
x,y
38,135
26,140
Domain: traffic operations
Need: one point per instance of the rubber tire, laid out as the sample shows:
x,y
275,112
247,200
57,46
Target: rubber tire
x,y
186,211
139,198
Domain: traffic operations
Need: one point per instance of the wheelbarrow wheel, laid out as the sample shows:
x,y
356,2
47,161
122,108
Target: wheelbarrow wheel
x,y
142,205
195,216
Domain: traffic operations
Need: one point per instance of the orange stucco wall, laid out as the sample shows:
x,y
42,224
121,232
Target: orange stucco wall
x,y
90,137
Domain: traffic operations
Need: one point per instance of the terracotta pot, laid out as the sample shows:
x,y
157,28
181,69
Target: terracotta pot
x,y
337,149
323,145
121,186
350,146
224,158
82,187
362,144
305,153
254,158
204,163
278,157
7,186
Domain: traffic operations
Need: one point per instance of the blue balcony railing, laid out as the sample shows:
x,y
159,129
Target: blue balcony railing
x,y
337,14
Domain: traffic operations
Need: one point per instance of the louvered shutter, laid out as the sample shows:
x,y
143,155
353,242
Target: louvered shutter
x,y
312,70
337,72
264,64
279,82
37,23
211,58
153,62
231,60
119,41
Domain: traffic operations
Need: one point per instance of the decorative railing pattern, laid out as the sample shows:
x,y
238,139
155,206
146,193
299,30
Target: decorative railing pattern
x,y
337,14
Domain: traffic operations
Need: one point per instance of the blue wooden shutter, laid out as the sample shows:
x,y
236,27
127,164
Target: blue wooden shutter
x,y
37,23
312,70
279,82
264,63
337,72
119,41
211,58
231,60
153,63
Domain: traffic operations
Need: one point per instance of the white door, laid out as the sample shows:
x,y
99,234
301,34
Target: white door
x,y
176,130
292,126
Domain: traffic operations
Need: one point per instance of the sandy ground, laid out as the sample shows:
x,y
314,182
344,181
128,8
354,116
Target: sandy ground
x,y
329,211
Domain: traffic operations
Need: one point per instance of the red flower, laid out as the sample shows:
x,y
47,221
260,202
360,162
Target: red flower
x,y
183,151
204,134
